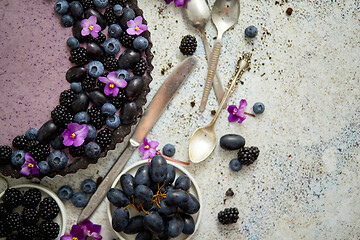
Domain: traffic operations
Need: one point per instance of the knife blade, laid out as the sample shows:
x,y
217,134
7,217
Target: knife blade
x,y
157,106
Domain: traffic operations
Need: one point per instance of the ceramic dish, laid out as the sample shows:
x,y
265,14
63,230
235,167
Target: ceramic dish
x,y
194,189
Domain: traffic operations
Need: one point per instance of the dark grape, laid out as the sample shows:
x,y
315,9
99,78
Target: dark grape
x,y
158,169
174,197
146,205
154,222
170,176
190,206
165,209
145,235
127,182
183,182
175,226
117,197
120,219
142,176
163,236
144,193
135,225
189,224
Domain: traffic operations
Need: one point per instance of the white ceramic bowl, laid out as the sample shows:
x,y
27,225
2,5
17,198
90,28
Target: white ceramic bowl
x,y
194,189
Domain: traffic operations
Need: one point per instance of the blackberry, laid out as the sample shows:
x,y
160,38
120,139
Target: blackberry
x,y
67,97
49,229
96,118
48,208
4,211
77,151
61,116
13,221
140,67
19,142
31,143
99,40
228,216
121,2
32,198
4,230
110,63
247,155
79,56
119,100
88,84
40,152
12,198
29,232
188,45
5,154
87,4
127,40
13,236
30,216
101,85
103,138
110,17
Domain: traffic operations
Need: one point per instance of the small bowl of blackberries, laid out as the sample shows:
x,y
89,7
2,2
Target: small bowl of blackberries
x,y
156,200
31,212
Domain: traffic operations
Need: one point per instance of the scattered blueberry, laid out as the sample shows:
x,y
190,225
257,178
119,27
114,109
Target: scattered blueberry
x,y
122,73
108,109
82,118
111,46
115,30
140,43
88,186
57,159
91,133
118,10
79,199
18,158
258,108
92,150
251,32
96,68
101,3
113,121
235,165
44,167
65,192
67,20
73,43
168,150
61,7
31,134
76,87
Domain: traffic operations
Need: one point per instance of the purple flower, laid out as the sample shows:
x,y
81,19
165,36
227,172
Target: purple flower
x,y
113,83
237,113
90,229
178,3
76,233
29,166
135,26
148,149
90,27
75,134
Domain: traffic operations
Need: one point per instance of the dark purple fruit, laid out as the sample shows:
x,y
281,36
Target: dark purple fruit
x,y
81,103
76,74
142,176
232,142
134,87
190,206
135,225
154,222
76,10
128,59
97,97
127,182
76,30
170,176
95,52
100,18
128,14
189,224
165,209
117,197
144,193
158,169
183,182
46,132
174,197
175,226
128,113
120,219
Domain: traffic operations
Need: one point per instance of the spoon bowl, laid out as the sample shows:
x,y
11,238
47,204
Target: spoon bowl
x,y
202,143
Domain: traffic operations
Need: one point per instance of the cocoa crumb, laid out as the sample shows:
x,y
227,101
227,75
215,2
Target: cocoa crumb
x,y
229,193
213,112
224,200
289,11
192,104
163,71
98,181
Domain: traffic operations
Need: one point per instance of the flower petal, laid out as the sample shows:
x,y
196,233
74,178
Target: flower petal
x,y
153,144
144,27
121,83
231,108
105,80
243,103
92,20
85,23
25,170
66,237
35,170
131,31
94,34
178,3
241,119
146,154
68,141
131,24
145,141
152,152
138,20
232,118
74,127
108,90
85,32
96,28
115,91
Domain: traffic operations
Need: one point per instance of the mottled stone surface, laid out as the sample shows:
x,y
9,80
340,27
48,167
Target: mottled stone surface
x,y
305,184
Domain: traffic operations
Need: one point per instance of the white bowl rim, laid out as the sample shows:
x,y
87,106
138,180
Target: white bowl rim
x,y
193,181
6,185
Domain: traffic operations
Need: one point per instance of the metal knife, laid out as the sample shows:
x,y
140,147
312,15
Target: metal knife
x,y
157,106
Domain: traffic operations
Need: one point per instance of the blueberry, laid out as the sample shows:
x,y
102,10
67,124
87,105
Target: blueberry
x,y
108,109
76,87
88,186
18,158
91,133
115,30
251,32
73,43
92,150
76,9
101,3
235,165
96,68
113,121
140,43
65,192
111,46
61,7
122,73
31,134
79,199
118,10
169,150
67,20
57,159
258,108
57,142
82,118
44,167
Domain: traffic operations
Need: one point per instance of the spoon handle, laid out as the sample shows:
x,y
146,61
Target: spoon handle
x,y
214,59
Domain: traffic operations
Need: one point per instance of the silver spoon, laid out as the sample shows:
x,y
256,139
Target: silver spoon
x,y
203,140
225,14
198,13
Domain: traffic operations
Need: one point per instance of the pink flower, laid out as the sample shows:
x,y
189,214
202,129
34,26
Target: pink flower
x,y
75,233
29,166
90,229
178,3
148,149
90,27
113,83
235,113
136,27
75,134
